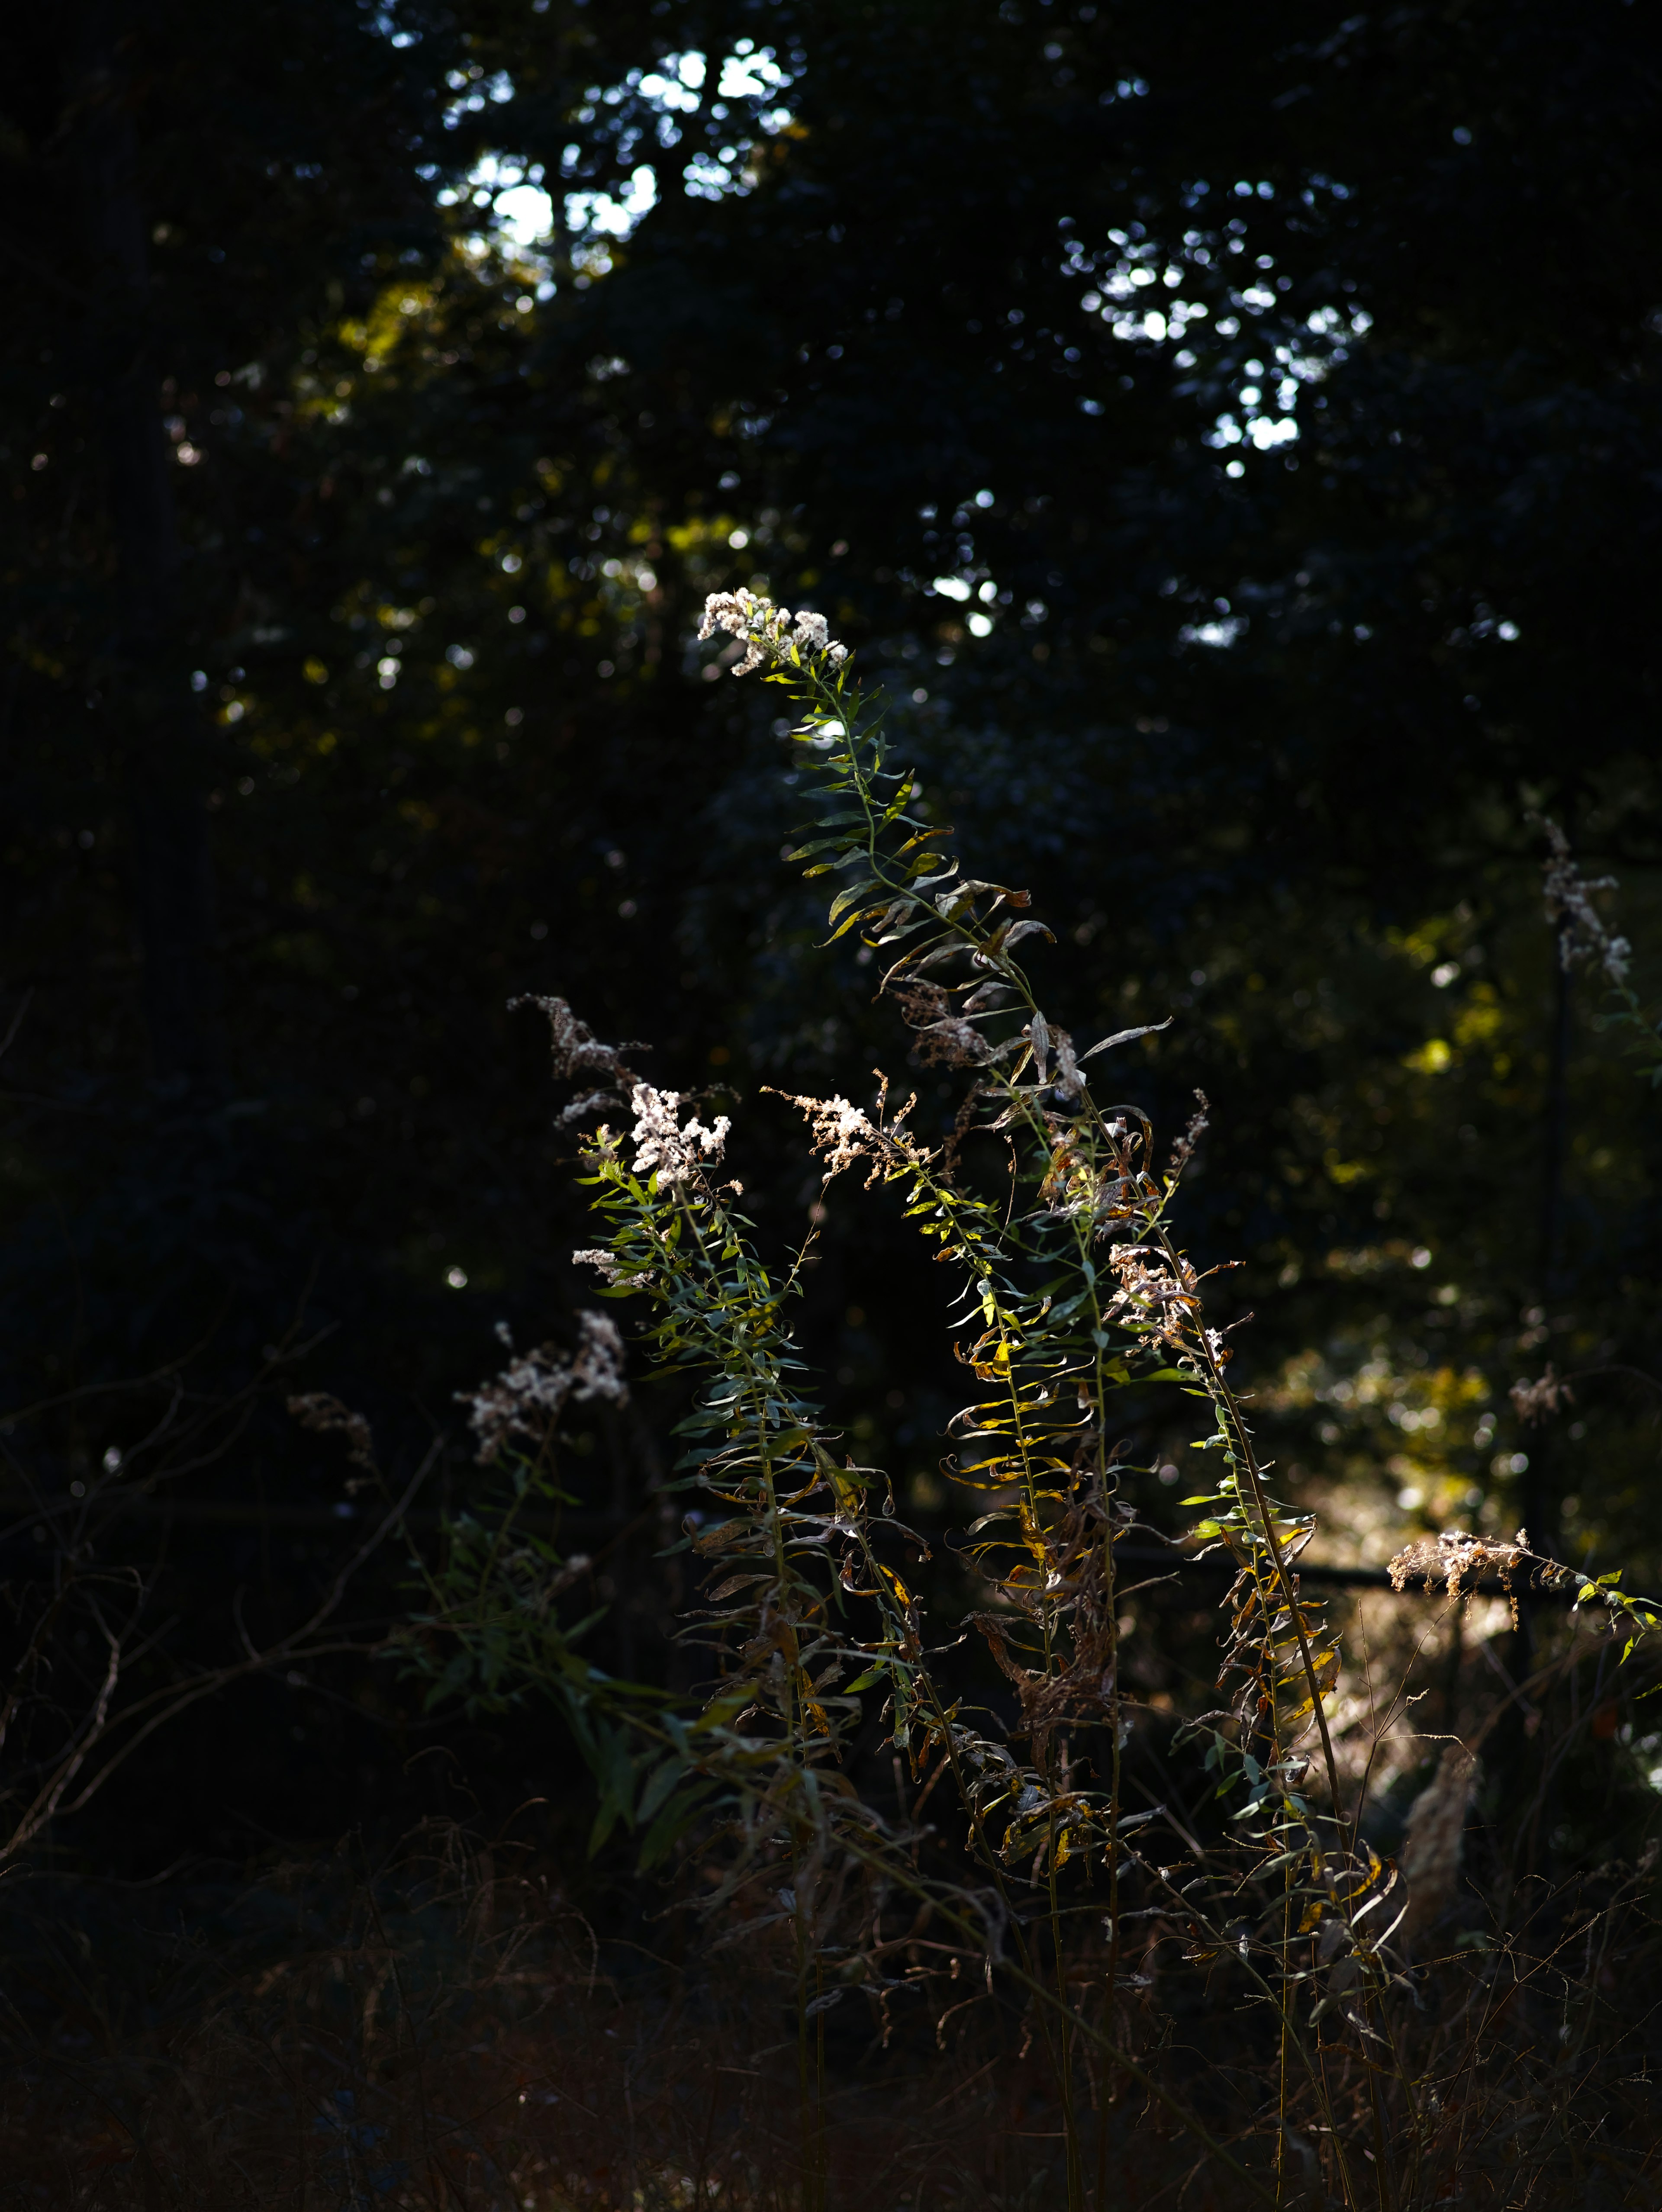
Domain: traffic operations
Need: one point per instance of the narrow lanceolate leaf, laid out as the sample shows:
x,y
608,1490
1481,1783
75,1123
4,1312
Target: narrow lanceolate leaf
x,y
1020,930
849,921
848,898
895,927
818,844
1127,1037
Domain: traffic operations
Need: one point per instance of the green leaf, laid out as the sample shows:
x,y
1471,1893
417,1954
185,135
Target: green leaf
x,y
848,898
677,1815
860,914
658,1787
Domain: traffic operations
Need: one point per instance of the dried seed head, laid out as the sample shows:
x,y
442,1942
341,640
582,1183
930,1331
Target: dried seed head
x,y
597,1256
534,1390
317,1410
1535,1400
1457,1558
1582,936
578,1052
1154,1290
1184,1151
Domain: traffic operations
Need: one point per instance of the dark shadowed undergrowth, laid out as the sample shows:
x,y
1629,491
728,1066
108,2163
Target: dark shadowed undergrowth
x,y
446,2031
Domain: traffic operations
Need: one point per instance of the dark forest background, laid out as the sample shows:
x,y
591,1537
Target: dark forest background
x,y
1232,441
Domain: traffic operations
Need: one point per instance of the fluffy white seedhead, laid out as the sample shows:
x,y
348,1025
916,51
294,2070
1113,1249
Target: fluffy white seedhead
x,y
769,633
535,1388
663,1145
841,1133
598,1370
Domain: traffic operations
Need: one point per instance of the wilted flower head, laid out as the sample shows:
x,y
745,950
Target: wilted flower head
x,y
1582,936
578,1052
942,1033
596,1255
766,631
535,1388
1458,1557
1184,1151
1160,1293
1535,1400
317,1410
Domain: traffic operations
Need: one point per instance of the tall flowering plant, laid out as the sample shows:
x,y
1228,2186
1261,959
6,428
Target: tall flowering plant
x,y
1073,1288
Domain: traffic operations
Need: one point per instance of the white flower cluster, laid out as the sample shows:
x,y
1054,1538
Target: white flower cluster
x,y
1581,935
660,1142
596,1255
767,631
535,1388
841,1131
